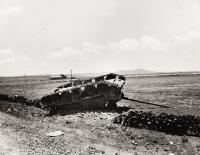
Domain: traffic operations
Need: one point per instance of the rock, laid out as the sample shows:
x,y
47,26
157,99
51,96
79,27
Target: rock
x,y
168,123
184,140
80,116
9,110
139,137
54,134
134,143
166,149
149,123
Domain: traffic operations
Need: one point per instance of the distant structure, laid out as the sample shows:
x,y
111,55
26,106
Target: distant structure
x,y
58,77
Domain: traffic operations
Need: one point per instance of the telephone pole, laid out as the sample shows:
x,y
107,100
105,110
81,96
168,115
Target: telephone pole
x,y
25,82
71,77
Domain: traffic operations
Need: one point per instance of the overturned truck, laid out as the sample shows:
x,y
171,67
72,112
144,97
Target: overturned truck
x,y
96,93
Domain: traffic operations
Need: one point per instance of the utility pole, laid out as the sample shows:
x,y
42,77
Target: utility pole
x,y
25,80
25,83
71,77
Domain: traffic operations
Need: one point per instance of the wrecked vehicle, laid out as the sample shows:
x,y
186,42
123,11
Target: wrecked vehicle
x,y
96,93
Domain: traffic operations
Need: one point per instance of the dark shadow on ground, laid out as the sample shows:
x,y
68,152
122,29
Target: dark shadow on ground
x,y
62,111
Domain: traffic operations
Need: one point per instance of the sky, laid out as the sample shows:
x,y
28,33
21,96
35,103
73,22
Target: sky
x,y
55,36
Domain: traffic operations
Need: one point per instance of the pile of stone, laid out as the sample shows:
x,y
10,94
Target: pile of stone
x,y
20,99
168,123
3,97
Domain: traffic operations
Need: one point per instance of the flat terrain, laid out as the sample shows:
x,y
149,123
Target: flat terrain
x,y
23,129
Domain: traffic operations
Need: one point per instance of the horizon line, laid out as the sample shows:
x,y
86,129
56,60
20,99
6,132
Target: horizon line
x,y
152,72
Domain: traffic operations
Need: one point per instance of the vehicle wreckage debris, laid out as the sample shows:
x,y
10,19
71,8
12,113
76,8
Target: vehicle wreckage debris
x,y
168,123
97,93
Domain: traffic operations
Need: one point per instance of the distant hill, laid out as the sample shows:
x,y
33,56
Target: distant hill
x,y
135,71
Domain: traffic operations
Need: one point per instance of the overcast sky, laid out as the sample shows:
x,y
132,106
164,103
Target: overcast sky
x,y
54,36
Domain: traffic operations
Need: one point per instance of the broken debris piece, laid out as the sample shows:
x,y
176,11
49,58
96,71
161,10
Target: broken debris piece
x,y
54,134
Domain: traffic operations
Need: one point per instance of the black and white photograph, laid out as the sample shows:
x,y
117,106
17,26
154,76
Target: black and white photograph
x,y
100,77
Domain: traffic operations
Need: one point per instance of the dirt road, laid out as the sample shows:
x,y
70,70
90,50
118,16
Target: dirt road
x,y
28,136
8,144
8,141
